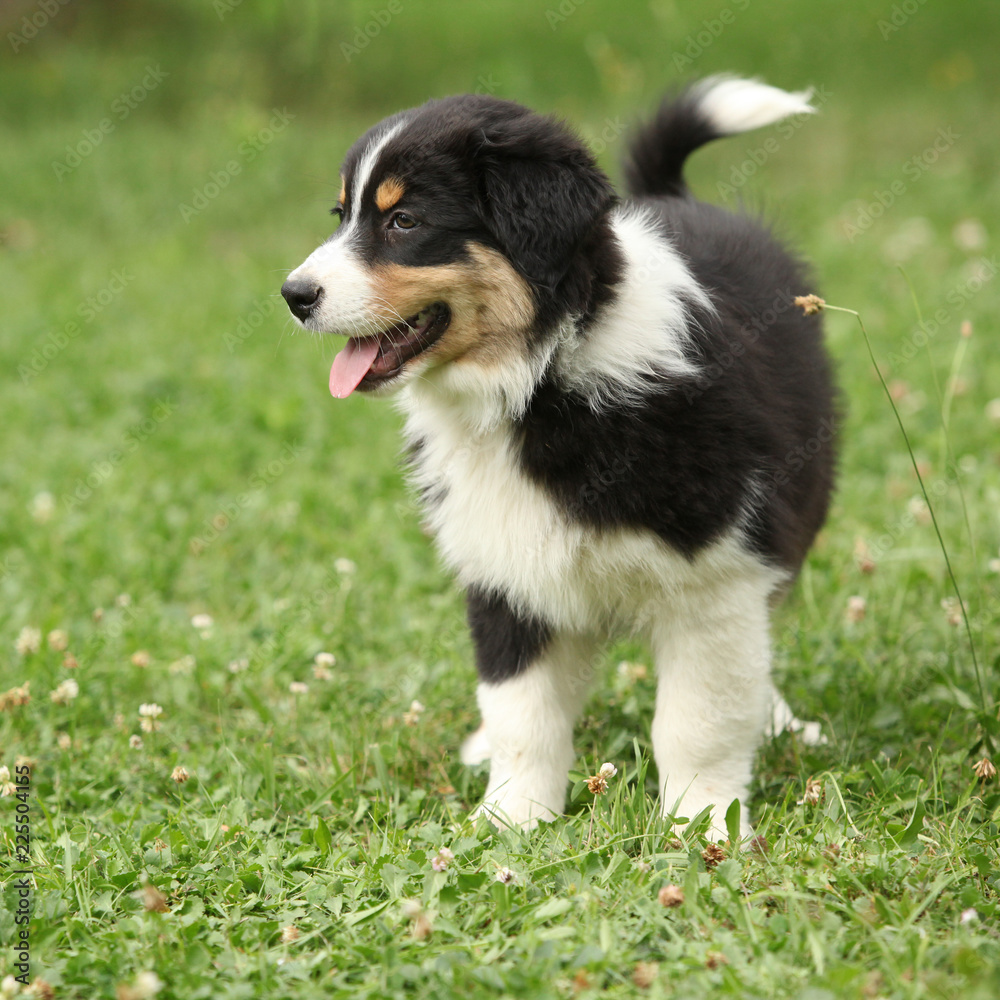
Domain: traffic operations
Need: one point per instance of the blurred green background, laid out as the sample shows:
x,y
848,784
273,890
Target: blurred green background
x,y
169,449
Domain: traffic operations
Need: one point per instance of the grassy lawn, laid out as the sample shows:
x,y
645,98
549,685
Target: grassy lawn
x,y
170,452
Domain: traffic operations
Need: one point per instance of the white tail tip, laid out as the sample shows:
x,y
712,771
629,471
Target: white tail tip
x,y
734,105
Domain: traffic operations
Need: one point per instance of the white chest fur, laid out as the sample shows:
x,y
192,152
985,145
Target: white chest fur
x,y
498,529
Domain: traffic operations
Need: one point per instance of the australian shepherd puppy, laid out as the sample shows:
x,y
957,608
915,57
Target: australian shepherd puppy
x,y
616,419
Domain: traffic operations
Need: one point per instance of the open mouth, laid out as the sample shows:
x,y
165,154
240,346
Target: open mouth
x,y
368,362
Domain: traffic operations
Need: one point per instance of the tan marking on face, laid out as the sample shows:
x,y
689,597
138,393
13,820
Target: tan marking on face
x,y
342,197
388,193
491,304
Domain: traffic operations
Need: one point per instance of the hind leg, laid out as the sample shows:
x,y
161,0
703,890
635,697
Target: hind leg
x,y
713,660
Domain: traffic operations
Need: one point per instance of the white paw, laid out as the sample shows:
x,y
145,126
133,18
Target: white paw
x,y
516,813
783,719
476,748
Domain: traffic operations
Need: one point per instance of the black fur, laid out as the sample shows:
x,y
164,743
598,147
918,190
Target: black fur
x,y
657,152
482,169
693,445
506,641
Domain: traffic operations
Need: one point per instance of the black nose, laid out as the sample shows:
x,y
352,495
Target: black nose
x,y
301,296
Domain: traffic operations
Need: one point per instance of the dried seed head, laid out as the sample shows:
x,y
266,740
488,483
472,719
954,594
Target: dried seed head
x,y
712,855
952,611
598,783
985,769
812,794
41,989
154,900
671,895
140,658
856,608
289,934
15,697
644,974
180,774
810,304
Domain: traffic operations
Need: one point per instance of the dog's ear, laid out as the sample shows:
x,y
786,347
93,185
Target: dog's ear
x,y
540,194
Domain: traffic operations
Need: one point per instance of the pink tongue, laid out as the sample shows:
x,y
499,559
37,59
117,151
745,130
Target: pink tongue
x,y
351,365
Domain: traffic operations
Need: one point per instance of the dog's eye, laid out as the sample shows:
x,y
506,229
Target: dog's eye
x,y
337,210
403,221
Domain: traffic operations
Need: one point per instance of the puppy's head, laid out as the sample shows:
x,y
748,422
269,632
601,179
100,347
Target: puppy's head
x,y
461,226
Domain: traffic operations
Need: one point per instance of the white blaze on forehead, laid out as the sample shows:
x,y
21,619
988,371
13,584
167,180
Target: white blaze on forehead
x,y
362,175
348,297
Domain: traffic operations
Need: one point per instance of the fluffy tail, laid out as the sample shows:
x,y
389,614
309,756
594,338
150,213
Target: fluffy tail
x,y
709,109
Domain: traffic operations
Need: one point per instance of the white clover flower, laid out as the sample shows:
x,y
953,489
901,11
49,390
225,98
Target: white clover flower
x,y
65,692
29,640
184,666
345,566
325,660
149,713
857,607
42,507
135,741
412,717
147,985
443,859
58,639
298,687
202,622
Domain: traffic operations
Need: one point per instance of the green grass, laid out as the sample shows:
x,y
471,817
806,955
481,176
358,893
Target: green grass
x,y
196,464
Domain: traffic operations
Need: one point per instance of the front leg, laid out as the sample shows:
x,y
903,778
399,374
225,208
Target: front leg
x,y
533,682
